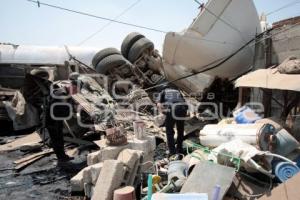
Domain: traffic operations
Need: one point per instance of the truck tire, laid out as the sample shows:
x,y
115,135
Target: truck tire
x,y
138,48
104,53
110,62
129,40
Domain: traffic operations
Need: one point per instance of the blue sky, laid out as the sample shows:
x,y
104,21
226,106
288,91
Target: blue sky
x,y
23,22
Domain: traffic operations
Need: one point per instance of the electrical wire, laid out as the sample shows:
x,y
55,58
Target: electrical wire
x,y
161,31
96,16
121,22
218,17
110,22
144,27
283,7
225,60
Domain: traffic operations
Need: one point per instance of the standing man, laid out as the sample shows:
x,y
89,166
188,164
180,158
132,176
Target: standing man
x,y
172,104
55,115
43,100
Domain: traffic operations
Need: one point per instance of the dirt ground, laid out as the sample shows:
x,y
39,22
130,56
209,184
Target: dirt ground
x,y
41,180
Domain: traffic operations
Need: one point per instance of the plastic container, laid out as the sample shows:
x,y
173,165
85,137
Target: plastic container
x,y
245,115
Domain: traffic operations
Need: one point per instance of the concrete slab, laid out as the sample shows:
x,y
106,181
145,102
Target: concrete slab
x,y
205,176
106,153
141,145
148,160
88,189
110,152
152,141
92,158
110,179
77,184
129,158
91,173
95,171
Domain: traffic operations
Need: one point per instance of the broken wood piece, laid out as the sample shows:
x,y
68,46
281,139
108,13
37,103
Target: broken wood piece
x,y
28,162
31,138
31,157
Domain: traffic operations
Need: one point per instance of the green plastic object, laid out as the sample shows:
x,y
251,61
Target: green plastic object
x,y
235,160
149,182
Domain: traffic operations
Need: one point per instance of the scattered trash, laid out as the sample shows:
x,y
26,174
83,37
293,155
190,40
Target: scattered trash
x,y
94,131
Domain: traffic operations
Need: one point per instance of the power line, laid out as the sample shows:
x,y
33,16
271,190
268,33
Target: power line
x,y
95,16
283,7
110,22
226,59
123,23
218,17
224,21
130,24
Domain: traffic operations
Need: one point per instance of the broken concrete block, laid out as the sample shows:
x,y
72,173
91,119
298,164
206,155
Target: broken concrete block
x,y
77,183
136,170
91,173
152,141
110,179
95,171
110,152
92,158
141,145
129,158
147,161
148,157
106,153
87,175
88,189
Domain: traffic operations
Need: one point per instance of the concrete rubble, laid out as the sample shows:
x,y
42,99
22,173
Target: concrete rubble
x,y
129,155
241,144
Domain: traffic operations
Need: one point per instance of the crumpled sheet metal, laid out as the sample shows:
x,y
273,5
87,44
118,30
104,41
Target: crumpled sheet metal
x,y
22,114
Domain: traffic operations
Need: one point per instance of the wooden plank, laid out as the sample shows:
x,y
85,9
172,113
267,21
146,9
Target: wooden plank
x,y
31,157
28,162
31,138
24,162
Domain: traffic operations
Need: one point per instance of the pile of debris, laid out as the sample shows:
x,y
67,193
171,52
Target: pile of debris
x,y
242,157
